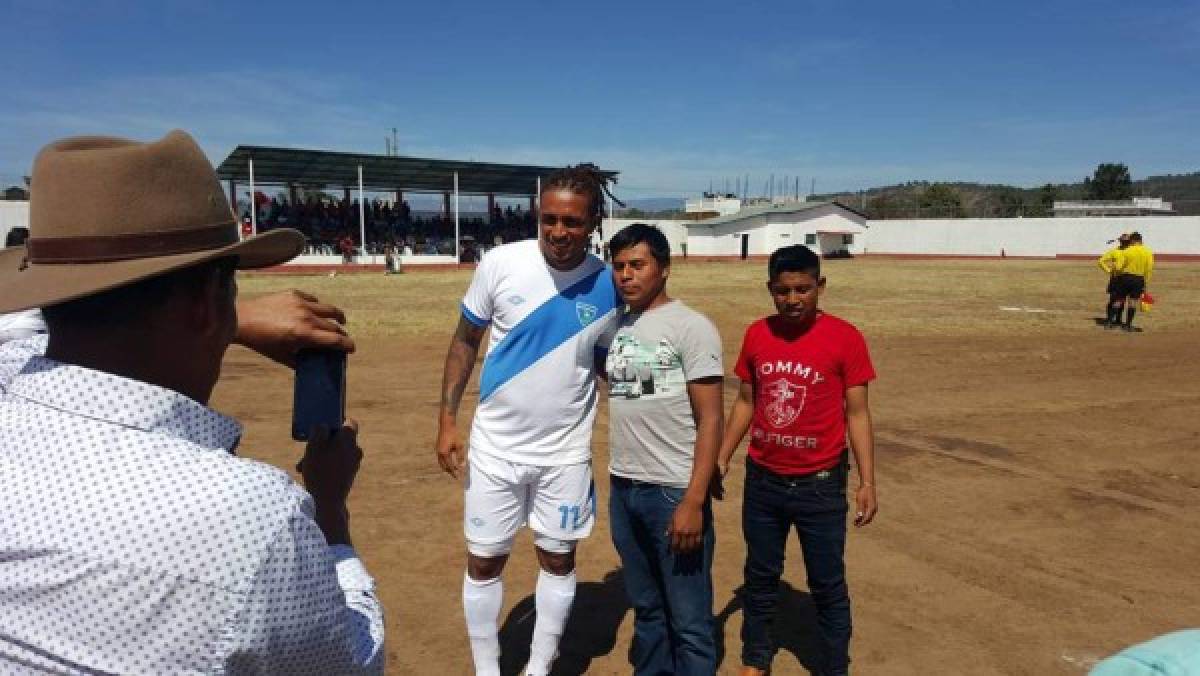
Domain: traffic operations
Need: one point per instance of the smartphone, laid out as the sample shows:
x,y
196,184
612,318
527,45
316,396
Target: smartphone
x,y
320,392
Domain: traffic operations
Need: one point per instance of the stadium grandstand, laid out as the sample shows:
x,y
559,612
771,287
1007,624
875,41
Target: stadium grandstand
x,y
324,195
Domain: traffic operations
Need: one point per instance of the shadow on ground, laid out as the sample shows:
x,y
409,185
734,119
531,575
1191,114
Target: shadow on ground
x,y
795,627
591,630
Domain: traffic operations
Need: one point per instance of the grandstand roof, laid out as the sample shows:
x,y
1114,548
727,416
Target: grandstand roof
x,y
380,172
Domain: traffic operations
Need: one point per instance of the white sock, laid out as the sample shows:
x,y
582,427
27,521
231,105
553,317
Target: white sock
x,y
482,600
555,594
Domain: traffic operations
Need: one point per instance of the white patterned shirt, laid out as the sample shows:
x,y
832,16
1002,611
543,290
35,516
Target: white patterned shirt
x,y
133,541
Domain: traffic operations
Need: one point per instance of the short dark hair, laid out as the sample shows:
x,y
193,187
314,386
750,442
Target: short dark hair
x,y
794,258
587,180
16,236
642,233
1135,237
134,303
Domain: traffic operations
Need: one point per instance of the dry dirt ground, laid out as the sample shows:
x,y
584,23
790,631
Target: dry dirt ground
x,y
1038,476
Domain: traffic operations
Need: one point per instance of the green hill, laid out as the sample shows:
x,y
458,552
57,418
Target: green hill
x,y
922,199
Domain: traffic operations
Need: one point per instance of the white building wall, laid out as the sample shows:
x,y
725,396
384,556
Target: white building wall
x,y
838,222
675,231
771,231
1041,237
13,214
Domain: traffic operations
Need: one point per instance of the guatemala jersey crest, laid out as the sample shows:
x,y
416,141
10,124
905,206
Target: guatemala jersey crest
x,y
786,402
586,313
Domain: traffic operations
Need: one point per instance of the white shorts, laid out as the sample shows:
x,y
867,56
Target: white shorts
x,y
558,502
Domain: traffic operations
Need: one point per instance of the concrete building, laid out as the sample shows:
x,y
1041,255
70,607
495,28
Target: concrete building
x,y
721,205
826,227
13,214
1137,206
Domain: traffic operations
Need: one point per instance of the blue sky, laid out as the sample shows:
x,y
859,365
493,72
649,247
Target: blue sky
x,y
675,95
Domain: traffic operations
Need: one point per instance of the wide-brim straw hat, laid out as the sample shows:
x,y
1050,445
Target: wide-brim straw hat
x,y
106,212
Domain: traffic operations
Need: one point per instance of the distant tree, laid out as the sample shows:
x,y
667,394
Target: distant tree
x,y
1043,204
887,205
942,201
1109,182
1011,203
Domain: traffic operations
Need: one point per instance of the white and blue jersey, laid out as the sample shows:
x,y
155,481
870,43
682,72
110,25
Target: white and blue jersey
x,y
537,392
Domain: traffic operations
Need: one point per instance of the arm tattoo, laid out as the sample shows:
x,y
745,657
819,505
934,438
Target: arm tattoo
x,y
460,361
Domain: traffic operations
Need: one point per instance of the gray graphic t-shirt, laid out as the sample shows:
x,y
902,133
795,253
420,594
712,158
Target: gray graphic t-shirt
x,y
654,354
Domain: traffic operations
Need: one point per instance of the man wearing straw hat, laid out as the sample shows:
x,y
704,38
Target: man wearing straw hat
x,y
132,539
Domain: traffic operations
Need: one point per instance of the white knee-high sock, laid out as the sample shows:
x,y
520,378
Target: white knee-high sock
x,y
482,600
554,596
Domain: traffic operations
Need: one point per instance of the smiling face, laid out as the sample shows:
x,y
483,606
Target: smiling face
x,y
795,295
565,228
641,279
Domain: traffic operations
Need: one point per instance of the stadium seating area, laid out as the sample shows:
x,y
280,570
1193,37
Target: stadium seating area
x,y
331,226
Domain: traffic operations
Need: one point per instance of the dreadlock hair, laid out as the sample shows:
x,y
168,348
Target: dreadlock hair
x,y
585,179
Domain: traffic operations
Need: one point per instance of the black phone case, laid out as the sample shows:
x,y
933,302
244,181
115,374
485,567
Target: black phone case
x,y
320,392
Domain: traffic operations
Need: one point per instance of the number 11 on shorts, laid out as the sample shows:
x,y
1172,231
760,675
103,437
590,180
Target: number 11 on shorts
x,y
570,516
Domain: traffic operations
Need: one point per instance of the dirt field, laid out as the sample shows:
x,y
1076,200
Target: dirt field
x,y
1038,476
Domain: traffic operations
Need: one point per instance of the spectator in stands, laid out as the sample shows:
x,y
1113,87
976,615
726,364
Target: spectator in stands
x,y
346,248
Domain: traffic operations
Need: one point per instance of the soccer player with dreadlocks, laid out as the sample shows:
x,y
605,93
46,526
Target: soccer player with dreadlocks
x,y
552,309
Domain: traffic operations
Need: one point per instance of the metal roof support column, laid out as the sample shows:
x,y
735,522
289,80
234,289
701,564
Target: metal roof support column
x,y
233,203
457,243
362,216
535,207
253,204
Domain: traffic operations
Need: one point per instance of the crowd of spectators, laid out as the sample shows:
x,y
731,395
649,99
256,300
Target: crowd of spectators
x,y
331,226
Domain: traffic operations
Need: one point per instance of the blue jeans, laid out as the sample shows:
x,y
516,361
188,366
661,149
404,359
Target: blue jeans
x,y
815,505
671,594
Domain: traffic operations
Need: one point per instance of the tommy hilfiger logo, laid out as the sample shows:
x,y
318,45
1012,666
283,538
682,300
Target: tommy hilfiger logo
x,y
786,402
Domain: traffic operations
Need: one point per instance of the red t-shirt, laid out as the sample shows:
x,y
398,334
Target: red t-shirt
x,y
800,382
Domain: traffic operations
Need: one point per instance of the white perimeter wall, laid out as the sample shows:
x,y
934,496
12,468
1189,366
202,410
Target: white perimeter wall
x,y
13,214
1043,237
371,259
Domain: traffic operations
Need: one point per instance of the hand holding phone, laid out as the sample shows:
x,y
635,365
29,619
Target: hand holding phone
x,y
330,464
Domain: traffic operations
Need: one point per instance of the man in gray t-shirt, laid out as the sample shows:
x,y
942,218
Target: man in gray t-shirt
x,y
655,353
664,374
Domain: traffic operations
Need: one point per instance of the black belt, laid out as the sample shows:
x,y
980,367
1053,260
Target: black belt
x,y
756,470
626,482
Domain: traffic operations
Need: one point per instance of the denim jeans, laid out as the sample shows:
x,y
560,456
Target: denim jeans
x,y
815,505
671,594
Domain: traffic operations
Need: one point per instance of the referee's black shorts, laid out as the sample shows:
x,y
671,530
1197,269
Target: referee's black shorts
x,y
1129,286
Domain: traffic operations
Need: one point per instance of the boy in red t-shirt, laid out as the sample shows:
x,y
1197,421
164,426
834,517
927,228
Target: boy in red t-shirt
x,y
804,380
